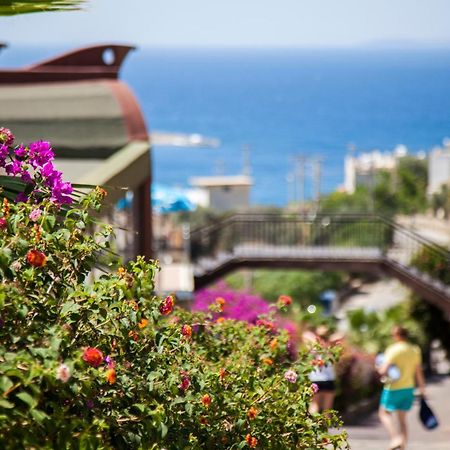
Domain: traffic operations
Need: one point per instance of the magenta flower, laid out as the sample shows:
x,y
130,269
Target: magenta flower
x,y
110,362
315,388
20,151
290,376
40,153
185,382
21,197
3,222
14,168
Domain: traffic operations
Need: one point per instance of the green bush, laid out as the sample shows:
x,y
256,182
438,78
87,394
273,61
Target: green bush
x,y
102,363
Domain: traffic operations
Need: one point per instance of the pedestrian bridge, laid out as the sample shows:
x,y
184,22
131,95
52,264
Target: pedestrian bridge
x,y
354,243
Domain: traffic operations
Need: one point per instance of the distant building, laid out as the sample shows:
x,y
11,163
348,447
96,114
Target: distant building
x,y
361,170
225,192
438,168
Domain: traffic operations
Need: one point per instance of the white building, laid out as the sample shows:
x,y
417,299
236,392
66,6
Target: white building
x,y
225,192
360,170
438,168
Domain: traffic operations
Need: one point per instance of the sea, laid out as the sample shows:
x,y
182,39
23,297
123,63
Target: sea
x,y
279,104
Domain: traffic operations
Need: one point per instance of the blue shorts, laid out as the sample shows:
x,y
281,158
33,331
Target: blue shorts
x,y
397,399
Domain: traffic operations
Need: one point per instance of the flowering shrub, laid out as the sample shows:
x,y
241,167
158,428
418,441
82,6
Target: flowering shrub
x,y
107,364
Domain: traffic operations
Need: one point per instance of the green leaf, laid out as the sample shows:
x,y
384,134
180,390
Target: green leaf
x,y
5,404
5,384
28,399
164,430
39,416
69,307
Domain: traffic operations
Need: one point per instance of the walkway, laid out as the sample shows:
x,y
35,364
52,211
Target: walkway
x,y
370,435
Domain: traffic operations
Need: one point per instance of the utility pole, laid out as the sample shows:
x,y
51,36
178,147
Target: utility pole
x,y
246,161
317,175
299,179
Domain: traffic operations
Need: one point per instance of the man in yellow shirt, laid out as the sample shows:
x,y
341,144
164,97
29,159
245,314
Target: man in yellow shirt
x,y
402,366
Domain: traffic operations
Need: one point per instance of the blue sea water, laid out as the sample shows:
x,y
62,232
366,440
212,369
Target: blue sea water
x,y
283,102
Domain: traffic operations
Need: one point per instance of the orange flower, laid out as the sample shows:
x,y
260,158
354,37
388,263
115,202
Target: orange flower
x,y
121,271
37,232
222,373
220,301
133,335
267,361
284,300
273,343
111,376
186,330
6,207
133,304
318,362
93,356
251,441
101,192
36,258
220,319
252,413
265,323
206,400
143,323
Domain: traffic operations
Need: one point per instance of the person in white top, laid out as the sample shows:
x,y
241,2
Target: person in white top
x,y
323,375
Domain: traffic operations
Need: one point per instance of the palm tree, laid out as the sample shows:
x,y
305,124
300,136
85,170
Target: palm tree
x,y
10,7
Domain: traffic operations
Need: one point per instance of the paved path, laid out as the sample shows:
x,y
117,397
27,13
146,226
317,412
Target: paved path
x,y
370,435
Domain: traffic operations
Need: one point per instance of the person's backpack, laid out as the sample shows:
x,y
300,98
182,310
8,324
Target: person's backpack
x,y
427,416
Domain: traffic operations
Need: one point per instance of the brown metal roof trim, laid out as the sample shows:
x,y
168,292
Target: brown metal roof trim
x,y
53,85
132,115
87,63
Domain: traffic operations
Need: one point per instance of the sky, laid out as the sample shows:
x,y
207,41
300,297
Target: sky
x,y
238,23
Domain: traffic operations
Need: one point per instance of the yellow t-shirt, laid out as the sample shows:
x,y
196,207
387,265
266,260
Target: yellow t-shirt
x,y
406,357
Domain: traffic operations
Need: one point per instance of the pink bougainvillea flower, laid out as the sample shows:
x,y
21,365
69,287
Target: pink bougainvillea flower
x,y
315,388
35,215
93,356
6,137
63,373
21,198
110,362
290,376
167,305
111,375
206,400
186,331
36,258
3,223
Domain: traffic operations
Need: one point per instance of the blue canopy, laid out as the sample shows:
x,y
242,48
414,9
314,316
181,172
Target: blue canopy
x,y
166,199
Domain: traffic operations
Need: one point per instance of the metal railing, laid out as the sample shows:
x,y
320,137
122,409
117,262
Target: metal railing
x,y
343,234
